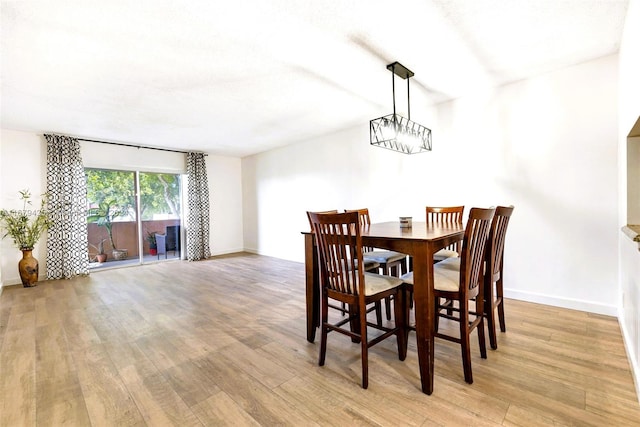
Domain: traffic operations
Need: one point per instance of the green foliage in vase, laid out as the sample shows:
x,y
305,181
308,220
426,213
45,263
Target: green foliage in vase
x,y
104,215
27,225
151,238
100,247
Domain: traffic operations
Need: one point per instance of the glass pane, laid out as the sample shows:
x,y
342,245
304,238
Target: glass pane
x,y
160,213
111,217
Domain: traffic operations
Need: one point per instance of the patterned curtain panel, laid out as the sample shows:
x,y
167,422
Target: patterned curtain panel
x,y
67,248
198,199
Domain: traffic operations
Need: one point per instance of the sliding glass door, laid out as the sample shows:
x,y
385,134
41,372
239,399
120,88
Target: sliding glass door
x,y
160,213
132,217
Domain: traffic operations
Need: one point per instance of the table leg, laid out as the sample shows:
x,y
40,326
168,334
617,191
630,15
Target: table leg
x,y
424,307
312,285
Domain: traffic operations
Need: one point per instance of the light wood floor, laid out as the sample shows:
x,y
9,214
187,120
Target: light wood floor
x,y
222,342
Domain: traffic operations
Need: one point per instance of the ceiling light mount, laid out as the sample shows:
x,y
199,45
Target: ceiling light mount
x,y
396,132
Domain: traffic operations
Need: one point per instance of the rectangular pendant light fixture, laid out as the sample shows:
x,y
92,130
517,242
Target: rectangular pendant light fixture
x,y
396,132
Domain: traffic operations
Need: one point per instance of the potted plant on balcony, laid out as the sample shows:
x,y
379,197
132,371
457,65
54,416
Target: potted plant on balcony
x,y
153,246
101,256
25,232
103,216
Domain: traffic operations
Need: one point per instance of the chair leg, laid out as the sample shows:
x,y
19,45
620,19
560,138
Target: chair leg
x,y
364,344
408,301
397,270
405,267
481,337
355,323
491,324
489,306
324,318
400,317
500,298
464,342
503,327
386,270
378,306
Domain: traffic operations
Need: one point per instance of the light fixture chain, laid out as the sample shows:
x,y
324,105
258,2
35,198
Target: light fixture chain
x,y
393,88
408,101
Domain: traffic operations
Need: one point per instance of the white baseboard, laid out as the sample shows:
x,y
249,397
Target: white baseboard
x,y
228,251
574,304
17,281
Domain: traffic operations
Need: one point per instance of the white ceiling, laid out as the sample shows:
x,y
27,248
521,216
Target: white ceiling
x,y
244,76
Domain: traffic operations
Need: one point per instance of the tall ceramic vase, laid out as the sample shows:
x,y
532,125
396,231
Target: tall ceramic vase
x,y
28,267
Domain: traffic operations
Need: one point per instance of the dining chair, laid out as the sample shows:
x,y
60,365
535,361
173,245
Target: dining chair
x,y
445,215
161,243
173,238
493,275
339,253
369,265
458,280
493,272
391,262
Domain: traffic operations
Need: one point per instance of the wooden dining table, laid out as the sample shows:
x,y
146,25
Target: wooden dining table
x,y
420,241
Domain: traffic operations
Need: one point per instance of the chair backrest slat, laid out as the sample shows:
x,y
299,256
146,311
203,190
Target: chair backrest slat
x,y
364,220
333,211
339,251
445,215
495,244
473,249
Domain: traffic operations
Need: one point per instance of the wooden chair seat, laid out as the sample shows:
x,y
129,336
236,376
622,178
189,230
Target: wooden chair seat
x,y
376,283
443,254
445,276
383,257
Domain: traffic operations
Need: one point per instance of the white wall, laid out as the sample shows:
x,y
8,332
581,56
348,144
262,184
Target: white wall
x,y
550,150
629,111
23,159
23,165
1,192
107,156
225,194
546,145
